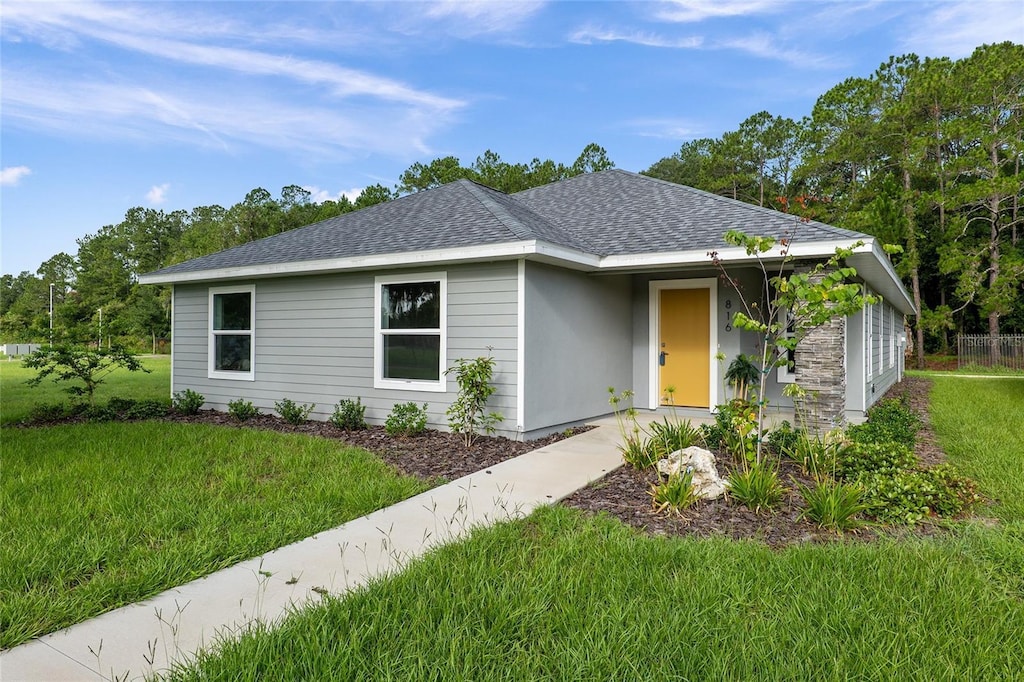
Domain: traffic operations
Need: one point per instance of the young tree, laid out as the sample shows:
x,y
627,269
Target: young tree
x,y
810,298
88,367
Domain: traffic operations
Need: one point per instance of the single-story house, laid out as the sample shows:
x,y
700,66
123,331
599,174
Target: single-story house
x,y
602,280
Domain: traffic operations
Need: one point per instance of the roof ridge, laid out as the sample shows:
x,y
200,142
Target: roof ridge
x,y
510,222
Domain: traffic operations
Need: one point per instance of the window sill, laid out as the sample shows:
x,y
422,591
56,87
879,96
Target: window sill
x,y
233,376
411,385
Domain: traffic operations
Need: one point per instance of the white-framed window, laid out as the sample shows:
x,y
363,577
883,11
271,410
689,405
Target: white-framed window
x,y
232,351
787,329
410,331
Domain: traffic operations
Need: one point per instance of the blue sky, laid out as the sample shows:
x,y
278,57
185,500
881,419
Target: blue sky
x,y
170,105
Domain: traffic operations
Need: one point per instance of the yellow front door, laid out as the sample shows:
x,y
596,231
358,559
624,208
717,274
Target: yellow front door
x,y
684,349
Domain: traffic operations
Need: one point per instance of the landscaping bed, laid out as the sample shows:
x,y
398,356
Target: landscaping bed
x,y
429,455
625,494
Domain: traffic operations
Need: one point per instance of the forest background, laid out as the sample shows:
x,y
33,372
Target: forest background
x,y
926,154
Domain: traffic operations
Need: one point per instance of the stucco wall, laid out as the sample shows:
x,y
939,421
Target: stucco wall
x,y
578,344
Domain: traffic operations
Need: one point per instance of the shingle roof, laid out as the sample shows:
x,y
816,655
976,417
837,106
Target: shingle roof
x,y
618,212
607,213
459,214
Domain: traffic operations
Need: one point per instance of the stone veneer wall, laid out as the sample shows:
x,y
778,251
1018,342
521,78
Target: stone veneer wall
x,y
821,371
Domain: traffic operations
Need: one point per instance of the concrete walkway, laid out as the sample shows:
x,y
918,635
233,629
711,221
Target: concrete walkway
x,y
145,638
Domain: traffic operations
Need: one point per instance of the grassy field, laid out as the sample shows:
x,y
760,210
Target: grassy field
x,y
100,515
17,399
563,596
981,426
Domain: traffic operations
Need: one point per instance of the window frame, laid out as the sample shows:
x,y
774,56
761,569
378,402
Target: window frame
x,y
212,334
379,380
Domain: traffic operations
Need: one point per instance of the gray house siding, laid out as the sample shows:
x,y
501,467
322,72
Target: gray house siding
x,y
577,344
314,341
883,327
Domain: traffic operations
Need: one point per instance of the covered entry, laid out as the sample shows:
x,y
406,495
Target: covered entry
x,y
683,343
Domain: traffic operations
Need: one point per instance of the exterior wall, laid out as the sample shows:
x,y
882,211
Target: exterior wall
x,y
855,367
314,341
881,350
577,344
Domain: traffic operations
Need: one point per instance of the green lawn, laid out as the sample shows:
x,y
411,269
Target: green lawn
x,y
981,426
17,399
96,516
563,596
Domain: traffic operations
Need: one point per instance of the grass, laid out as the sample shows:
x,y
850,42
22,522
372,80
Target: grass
x,y
980,423
559,596
17,399
563,596
96,516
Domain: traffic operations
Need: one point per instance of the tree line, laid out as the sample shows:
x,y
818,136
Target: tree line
x,y
925,154
96,294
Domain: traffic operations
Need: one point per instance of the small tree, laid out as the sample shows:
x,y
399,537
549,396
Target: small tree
x,y
809,298
77,364
467,414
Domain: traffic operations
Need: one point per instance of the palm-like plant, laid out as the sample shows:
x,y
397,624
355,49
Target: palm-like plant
x,y
741,374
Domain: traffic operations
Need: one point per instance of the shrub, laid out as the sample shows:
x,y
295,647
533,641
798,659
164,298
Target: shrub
x,y
292,412
349,415
242,409
45,413
121,405
897,498
188,401
757,486
816,455
889,421
956,494
874,458
633,446
406,419
100,413
467,414
639,452
669,436
833,504
146,409
674,494
783,438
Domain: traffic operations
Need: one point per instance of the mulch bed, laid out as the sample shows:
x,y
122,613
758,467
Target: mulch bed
x,y
624,494
431,455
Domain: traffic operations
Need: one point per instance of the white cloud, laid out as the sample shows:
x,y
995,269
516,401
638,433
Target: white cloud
x,y
157,194
589,35
12,175
473,17
767,47
210,88
689,11
666,128
954,29
321,195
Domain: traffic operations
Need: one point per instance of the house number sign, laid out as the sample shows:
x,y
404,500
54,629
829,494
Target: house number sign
x,y
728,323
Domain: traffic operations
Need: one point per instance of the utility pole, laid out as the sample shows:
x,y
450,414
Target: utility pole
x,y
99,344
51,314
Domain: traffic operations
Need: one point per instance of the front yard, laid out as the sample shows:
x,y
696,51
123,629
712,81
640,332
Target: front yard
x,y
562,595
101,515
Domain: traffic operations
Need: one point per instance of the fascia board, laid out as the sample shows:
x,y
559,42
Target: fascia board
x,y
356,263
732,254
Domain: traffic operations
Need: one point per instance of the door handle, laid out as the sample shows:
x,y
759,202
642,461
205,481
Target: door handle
x,y
661,358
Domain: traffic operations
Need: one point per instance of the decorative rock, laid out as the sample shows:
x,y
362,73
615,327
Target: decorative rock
x,y
707,484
